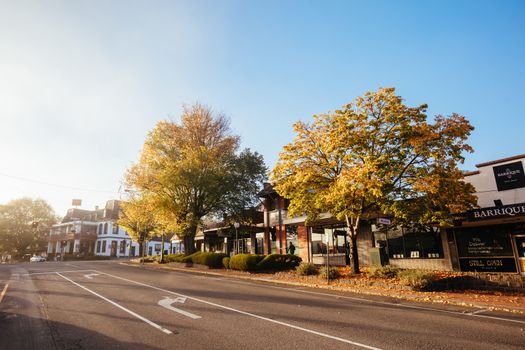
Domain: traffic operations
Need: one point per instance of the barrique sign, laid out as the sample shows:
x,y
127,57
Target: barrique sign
x,y
509,176
505,211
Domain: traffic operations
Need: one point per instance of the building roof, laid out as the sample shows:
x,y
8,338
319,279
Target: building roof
x,y
503,160
110,212
267,191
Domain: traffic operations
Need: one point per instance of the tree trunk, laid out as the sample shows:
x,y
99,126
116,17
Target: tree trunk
x,y
141,247
162,250
189,244
352,234
355,257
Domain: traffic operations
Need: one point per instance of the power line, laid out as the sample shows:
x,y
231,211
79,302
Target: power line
x,y
56,185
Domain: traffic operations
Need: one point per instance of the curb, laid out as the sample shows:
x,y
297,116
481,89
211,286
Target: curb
x,y
488,307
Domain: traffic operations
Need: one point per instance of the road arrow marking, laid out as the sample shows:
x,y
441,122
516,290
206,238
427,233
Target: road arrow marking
x,y
90,275
151,323
167,301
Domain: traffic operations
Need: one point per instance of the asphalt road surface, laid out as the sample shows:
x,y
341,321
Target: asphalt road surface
x,y
108,305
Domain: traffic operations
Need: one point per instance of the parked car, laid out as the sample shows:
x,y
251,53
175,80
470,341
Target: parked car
x,y
37,258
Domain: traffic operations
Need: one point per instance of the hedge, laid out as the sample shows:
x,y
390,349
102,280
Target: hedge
x,y
226,262
245,262
202,258
279,262
209,259
174,257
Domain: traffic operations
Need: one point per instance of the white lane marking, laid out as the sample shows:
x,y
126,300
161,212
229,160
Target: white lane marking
x,y
53,272
167,301
69,264
151,323
248,314
3,292
90,275
457,313
476,312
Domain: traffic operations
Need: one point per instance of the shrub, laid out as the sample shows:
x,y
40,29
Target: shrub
x,y
203,258
174,257
383,271
226,262
417,279
279,262
148,259
245,262
331,271
208,258
305,269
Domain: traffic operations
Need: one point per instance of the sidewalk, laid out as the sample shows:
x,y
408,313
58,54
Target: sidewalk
x,y
491,300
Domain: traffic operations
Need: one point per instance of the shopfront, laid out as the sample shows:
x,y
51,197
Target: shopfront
x,y
330,242
492,240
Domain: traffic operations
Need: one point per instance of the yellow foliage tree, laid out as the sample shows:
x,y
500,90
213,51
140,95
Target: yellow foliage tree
x,y
192,169
376,155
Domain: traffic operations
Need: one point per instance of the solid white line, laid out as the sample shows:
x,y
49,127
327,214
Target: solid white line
x,y
477,312
473,314
248,314
3,292
53,272
151,323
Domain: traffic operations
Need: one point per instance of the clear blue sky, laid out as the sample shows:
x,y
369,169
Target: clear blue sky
x,y
81,82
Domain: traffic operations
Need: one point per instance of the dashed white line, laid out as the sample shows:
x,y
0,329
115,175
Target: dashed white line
x,y
151,323
248,314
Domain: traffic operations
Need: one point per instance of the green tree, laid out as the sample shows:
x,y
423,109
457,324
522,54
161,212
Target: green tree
x,y
376,155
24,225
193,169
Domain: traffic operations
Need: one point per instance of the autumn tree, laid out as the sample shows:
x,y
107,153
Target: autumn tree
x,y
138,219
373,155
194,169
24,225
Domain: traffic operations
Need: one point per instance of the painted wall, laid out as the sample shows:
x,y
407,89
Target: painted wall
x,y
487,190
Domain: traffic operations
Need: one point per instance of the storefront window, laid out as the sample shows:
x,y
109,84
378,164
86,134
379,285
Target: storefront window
x,y
292,242
484,241
486,248
336,240
414,243
319,240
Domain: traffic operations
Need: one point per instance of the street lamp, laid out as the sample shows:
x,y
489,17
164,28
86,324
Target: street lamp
x,y
236,225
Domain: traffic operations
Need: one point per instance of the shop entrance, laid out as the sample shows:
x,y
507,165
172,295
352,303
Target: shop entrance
x,y
520,249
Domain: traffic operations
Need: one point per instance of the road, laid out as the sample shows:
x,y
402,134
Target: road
x,y
108,305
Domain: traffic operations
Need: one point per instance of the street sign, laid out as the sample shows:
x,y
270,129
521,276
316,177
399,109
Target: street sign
x,y
384,221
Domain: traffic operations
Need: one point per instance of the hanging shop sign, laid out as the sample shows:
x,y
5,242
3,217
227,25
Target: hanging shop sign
x,y
504,211
509,176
